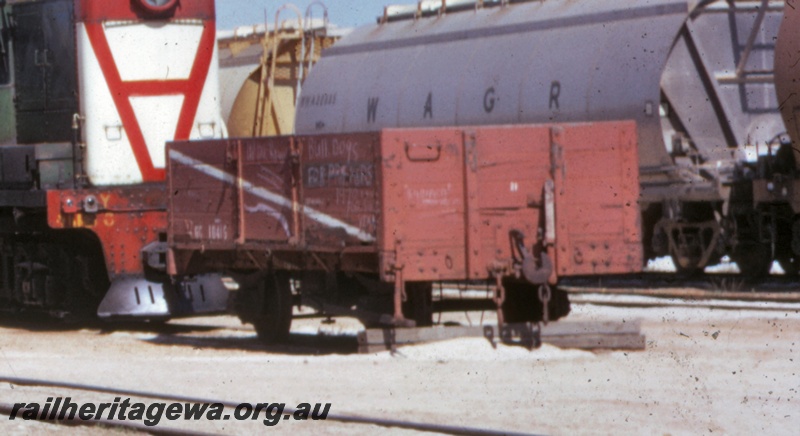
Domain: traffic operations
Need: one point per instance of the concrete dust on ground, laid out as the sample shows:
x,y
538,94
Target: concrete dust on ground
x,y
704,371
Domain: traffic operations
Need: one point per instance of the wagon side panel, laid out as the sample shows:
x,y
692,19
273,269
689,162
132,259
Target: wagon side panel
x,y
597,192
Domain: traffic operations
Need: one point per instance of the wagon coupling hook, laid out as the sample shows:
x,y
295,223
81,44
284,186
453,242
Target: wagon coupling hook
x,y
533,274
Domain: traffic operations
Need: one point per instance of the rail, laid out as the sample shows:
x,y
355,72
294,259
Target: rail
x,y
351,419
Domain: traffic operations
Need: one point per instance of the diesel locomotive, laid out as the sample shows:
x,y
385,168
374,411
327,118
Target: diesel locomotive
x,y
90,91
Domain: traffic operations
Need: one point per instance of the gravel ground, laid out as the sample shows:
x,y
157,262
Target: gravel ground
x,y
704,371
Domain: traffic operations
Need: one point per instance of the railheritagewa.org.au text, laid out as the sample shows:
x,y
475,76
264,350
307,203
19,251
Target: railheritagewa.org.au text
x,y
151,414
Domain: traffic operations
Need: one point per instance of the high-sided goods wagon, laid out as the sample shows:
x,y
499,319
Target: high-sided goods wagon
x,y
345,213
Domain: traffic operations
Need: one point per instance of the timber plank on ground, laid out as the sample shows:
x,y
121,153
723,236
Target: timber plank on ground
x,y
606,335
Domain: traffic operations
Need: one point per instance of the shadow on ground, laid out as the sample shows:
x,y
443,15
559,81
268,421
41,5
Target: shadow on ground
x,y
187,335
296,344
42,322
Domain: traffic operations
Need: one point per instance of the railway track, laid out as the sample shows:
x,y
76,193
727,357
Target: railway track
x,y
634,300
716,291
6,409
724,285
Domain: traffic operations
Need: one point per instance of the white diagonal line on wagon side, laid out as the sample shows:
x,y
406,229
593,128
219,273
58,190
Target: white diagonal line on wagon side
x,y
313,214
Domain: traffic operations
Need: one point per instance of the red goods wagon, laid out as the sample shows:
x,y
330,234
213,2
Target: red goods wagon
x,y
366,222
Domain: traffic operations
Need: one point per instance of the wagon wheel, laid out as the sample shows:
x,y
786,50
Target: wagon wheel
x,y
419,304
268,306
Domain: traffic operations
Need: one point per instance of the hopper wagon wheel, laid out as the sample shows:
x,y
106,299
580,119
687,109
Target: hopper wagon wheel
x,y
268,306
687,265
688,250
753,259
789,265
787,248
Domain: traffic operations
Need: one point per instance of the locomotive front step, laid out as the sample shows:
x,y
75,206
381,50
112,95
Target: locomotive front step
x,y
137,297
